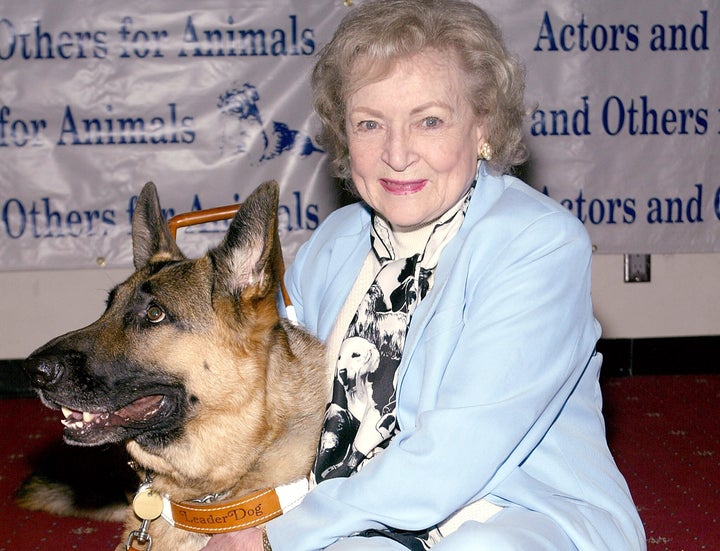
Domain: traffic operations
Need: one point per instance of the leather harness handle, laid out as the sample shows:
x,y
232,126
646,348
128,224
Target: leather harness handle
x,y
201,217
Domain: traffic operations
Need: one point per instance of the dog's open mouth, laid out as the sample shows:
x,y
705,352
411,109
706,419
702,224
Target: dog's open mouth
x,y
91,427
138,411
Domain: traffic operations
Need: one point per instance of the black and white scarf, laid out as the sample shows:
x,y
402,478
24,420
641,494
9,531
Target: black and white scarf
x,y
360,419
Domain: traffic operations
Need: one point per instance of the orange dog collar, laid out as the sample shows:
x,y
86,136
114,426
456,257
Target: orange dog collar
x,y
251,510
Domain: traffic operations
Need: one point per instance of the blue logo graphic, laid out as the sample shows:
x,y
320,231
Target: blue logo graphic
x,y
245,133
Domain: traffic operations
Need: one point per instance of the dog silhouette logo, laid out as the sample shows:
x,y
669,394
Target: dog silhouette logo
x,y
245,133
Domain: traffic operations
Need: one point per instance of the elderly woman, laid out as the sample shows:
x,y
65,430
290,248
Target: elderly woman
x,y
455,303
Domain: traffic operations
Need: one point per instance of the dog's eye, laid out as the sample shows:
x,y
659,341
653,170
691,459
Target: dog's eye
x,y
155,314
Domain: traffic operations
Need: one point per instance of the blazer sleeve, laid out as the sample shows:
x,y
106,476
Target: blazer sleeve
x,y
497,360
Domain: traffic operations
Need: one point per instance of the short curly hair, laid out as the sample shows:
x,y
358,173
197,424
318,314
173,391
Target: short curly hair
x,y
383,31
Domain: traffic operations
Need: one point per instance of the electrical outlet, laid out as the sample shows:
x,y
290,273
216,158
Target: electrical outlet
x,y
637,268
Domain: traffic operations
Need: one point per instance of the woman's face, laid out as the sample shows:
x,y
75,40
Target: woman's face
x,y
413,139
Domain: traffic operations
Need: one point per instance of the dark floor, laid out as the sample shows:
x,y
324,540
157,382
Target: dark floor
x,y
662,356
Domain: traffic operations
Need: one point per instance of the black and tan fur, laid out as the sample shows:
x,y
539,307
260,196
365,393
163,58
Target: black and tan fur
x,y
193,368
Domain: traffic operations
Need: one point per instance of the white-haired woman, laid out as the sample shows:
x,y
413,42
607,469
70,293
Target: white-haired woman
x,y
455,304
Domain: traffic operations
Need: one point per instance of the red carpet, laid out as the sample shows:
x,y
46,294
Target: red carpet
x,y
29,430
664,432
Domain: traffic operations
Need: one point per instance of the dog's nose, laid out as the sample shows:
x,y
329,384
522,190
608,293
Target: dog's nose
x,y
44,371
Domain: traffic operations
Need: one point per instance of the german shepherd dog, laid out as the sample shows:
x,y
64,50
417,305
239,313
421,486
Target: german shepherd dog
x,y
192,366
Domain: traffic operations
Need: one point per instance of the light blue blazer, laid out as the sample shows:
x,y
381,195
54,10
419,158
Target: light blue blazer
x,y
498,393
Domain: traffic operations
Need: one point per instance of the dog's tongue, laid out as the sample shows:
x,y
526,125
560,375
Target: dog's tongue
x,y
140,410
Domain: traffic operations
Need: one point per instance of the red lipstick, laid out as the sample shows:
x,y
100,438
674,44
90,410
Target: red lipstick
x,y
402,187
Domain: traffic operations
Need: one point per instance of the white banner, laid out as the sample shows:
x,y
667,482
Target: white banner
x,y
626,133
207,100
210,99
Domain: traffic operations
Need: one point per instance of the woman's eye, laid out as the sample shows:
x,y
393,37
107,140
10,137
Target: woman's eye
x,y
431,122
368,125
155,314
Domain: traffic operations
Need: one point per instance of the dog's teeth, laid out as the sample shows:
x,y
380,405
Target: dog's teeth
x,y
87,416
66,412
72,424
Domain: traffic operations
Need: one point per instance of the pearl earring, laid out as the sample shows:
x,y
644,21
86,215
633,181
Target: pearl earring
x,y
486,152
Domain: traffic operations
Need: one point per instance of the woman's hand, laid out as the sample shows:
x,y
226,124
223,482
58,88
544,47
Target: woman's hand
x,y
244,540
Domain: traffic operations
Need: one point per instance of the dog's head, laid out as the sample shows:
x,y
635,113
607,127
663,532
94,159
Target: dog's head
x,y
177,336
356,360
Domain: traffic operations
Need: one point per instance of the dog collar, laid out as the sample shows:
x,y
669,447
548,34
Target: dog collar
x,y
251,510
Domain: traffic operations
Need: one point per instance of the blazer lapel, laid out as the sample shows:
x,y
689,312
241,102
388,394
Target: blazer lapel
x,y
349,253
487,191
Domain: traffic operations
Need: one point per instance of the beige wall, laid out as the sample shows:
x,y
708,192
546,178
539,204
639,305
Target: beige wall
x,y
682,299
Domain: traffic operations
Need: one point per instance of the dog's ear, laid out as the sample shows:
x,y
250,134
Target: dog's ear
x,y
150,234
250,256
